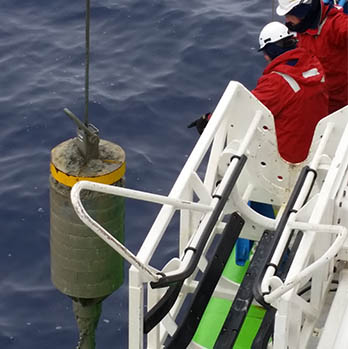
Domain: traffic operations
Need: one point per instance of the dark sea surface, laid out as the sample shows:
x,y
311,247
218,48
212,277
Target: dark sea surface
x,y
155,66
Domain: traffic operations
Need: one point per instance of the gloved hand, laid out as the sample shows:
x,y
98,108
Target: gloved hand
x,y
201,123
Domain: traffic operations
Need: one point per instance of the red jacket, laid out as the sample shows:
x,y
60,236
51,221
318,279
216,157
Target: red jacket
x,y
330,44
297,97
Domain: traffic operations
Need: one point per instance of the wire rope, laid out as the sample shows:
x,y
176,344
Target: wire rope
x,y
87,59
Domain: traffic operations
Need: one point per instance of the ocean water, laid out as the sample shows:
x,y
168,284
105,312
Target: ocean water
x,y
155,66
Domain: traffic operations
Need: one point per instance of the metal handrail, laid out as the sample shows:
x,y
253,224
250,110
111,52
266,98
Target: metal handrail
x,y
150,272
197,250
309,270
191,258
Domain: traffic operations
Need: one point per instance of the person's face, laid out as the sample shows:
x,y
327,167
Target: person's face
x,y
292,19
267,57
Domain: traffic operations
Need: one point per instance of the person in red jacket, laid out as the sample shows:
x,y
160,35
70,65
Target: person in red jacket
x,y
293,88
322,29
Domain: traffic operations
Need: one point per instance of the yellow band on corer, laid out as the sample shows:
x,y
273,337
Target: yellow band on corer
x,y
69,181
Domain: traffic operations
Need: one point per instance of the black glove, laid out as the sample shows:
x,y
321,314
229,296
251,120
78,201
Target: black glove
x,y
200,123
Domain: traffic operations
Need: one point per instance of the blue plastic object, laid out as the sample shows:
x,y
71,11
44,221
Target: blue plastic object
x,y
244,246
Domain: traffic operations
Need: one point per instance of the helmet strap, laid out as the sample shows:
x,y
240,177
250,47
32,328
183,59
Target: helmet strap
x,y
275,49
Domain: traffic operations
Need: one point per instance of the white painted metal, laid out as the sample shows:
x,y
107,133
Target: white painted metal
x,y
313,244
283,287
134,194
299,203
219,191
242,125
149,273
335,329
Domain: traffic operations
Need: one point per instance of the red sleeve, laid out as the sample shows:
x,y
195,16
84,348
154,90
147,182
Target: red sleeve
x,y
268,91
339,29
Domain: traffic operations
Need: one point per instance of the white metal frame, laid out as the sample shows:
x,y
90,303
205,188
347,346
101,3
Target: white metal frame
x,y
322,241
242,125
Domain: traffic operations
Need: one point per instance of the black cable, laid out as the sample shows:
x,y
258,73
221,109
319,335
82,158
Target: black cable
x,y
87,59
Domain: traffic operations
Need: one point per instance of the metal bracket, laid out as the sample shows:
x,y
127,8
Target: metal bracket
x,y
87,137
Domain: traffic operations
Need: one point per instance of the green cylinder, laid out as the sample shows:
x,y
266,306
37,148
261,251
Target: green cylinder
x,y
82,264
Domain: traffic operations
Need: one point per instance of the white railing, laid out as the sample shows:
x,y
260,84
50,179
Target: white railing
x,y
322,241
253,116
240,126
149,273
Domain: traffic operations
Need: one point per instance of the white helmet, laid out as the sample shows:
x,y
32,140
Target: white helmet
x,y
286,6
273,32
